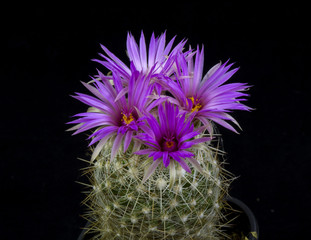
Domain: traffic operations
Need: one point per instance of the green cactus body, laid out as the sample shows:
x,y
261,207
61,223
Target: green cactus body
x,y
169,205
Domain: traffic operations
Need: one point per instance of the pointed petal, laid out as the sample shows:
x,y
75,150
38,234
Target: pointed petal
x,y
188,136
169,46
160,49
224,124
198,70
196,165
121,93
152,51
151,170
99,134
94,91
115,59
116,146
143,51
200,140
184,165
144,151
127,140
156,155
137,145
207,123
99,147
155,127
210,72
184,154
132,50
156,103
162,118
92,102
166,159
74,127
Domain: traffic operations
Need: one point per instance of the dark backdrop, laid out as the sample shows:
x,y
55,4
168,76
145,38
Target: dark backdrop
x,y
46,51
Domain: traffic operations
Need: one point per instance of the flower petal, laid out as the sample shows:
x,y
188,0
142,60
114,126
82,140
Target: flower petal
x,y
156,155
179,159
188,136
116,146
198,69
166,159
152,51
151,170
143,51
115,59
184,165
127,140
132,50
99,146
144,151
223,123
101,133
196,165
160,49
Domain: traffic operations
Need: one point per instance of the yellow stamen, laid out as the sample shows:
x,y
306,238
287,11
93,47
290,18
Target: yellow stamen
x,y
196,106
192,99
127,120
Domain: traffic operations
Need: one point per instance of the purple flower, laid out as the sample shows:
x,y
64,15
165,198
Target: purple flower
x,y
158,59
116,111
208,98
169,139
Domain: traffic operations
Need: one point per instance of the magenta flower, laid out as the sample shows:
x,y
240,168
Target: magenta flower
x,y
158,59
170,139
208,98
113,114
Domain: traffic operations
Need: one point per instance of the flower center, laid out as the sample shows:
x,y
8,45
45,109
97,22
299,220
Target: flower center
x,y
169,145
196,106
127,119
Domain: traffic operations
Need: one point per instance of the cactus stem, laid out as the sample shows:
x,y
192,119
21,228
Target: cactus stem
x,y
121,206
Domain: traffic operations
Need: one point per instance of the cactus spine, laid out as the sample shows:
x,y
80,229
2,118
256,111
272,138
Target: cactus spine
x,y
189,206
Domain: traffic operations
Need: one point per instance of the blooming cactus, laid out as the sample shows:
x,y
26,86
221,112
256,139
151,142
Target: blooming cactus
x,y
158,110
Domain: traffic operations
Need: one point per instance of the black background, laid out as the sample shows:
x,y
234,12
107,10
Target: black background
x,y
46,51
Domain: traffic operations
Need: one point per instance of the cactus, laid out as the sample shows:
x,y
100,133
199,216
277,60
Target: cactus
x,y
190,207
162,111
